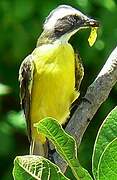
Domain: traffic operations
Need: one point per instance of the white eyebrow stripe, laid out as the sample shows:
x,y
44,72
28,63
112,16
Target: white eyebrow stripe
x,y
59,13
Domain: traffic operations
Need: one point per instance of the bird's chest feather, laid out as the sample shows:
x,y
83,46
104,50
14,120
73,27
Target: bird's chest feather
x,y
53,88
55,68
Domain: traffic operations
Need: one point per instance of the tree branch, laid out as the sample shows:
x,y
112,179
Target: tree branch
x,y
96,94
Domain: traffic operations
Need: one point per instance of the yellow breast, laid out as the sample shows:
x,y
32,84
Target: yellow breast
x,y
53,88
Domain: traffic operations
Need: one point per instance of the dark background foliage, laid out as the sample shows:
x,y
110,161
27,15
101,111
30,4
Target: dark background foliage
x,y
20,25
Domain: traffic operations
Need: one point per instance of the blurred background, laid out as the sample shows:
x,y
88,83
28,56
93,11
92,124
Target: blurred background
x,y
20,26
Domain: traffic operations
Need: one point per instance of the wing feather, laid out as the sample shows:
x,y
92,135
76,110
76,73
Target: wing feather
x,y
79,71
26,80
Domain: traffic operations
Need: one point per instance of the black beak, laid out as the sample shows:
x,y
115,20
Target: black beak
x,y
91,23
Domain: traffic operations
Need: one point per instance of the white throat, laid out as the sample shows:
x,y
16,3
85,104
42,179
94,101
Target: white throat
x,y
65,38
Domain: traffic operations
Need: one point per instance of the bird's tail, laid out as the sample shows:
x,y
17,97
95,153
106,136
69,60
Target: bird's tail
x,y
37,148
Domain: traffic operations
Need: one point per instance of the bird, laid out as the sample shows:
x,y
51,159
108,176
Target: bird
x,y
51,75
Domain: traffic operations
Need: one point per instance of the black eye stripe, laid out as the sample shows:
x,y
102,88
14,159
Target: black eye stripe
x,y
67,24
70,18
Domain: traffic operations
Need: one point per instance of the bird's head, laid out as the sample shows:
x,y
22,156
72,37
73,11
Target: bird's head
x,y
64,21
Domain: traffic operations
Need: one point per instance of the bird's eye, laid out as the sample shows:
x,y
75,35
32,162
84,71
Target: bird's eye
x,y
71,19
76,19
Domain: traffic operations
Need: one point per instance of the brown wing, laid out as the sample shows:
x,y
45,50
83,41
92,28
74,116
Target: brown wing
x,y
79,71
26,79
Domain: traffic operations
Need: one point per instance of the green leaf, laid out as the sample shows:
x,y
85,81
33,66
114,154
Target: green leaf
x,y
4,89
106,134
107,167
36,167
65,145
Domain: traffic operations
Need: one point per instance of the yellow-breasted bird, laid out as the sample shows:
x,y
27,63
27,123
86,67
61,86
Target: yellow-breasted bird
x,y
51,75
